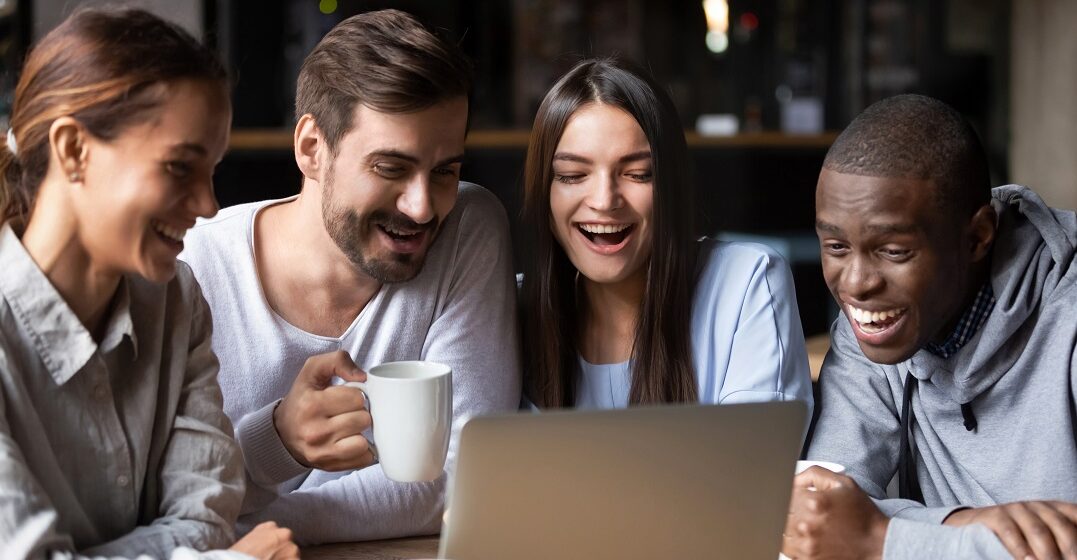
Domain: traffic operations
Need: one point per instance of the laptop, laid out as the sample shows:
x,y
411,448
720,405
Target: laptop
x,y
644,482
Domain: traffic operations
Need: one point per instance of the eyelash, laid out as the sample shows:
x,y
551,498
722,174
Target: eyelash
x,y
178,169
573,179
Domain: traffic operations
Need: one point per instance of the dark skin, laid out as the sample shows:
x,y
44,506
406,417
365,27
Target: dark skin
x,y
889,247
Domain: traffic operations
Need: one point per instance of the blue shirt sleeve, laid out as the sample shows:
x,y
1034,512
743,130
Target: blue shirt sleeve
x,y
748,341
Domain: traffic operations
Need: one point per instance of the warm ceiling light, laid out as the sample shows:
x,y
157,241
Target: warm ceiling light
x,y
717,12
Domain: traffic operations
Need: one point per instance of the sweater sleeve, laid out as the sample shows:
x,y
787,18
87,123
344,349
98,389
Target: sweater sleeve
x,y
859,422
913,540
474,332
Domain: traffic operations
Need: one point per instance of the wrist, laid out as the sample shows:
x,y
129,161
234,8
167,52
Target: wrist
x,y
284,440
879,526
958,517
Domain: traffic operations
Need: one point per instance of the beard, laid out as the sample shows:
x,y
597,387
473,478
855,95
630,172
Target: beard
x,y
355,235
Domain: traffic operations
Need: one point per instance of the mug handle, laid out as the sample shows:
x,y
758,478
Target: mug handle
x,y
366,402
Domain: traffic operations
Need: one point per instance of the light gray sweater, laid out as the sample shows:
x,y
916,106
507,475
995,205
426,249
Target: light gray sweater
x,y
460,311
1017,373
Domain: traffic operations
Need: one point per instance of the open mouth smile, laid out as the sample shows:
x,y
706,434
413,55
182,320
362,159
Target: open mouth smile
x,y
171,235
875,327
402,240
605,239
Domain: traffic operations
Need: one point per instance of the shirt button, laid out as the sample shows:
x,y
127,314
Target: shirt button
x,y
100,392
122,480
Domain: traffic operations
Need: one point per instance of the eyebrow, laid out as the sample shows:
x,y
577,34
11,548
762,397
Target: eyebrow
x,y
634,156
828,227
189,147
458,158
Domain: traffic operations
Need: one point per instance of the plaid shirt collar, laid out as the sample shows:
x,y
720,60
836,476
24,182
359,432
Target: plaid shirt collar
x,y
974,318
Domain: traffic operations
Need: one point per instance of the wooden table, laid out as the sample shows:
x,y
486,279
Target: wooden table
x,y
391,549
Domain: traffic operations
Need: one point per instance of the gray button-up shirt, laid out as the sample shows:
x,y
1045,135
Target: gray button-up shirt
x,y
117,447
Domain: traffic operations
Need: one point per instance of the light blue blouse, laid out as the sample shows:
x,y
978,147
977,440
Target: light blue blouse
x,y
747,342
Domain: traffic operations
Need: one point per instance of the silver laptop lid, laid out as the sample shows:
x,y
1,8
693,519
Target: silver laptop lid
x,y
646,482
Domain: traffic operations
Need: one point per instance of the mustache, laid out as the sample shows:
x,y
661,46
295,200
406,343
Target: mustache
x,y
400,222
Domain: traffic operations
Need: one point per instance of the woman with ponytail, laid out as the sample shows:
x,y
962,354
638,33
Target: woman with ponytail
x,y
113,441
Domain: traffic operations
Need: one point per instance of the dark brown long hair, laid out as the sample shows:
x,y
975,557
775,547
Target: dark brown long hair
x,y
662,368
98,66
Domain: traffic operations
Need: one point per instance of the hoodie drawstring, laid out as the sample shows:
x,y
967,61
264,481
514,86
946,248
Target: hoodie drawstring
x,y
908,484
970,418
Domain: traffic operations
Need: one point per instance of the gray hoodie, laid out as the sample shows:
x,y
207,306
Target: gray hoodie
x,y
1018,373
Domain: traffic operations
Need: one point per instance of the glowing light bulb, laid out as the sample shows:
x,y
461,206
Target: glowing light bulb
x,y
717,12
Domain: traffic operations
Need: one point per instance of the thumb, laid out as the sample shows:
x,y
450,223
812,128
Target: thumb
x,y
318,371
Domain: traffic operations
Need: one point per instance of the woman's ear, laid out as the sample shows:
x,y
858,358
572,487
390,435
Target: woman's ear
x,y
69,148
308,142
981,231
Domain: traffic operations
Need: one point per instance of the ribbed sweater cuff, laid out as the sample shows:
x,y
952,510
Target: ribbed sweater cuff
x,y
268,462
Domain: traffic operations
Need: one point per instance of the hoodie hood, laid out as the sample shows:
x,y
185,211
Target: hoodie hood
x,y
1032,256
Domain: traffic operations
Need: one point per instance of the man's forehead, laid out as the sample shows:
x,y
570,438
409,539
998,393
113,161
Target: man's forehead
x,y
865,203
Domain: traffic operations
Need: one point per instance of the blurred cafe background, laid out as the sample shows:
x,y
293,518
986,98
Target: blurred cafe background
x,y
763,88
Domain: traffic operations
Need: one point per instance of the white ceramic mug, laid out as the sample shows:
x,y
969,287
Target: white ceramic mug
x,y
411,407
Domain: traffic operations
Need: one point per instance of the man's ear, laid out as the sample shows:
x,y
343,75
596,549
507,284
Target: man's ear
x,y
69,148
308,144
981,232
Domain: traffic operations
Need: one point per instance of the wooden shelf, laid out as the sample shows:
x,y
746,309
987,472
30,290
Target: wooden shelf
x,y
267,139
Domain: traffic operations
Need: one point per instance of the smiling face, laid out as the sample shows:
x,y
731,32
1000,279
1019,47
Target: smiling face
x,y
392,182
143,190
602,195
896,264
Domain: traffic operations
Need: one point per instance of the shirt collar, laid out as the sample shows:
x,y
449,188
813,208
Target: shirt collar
x,y
59,338
971,321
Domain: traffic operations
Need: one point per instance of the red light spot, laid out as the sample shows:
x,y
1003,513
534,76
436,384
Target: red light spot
x,y
749,21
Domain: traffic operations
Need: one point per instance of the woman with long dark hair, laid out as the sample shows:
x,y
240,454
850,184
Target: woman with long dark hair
x,y
113,440
622,303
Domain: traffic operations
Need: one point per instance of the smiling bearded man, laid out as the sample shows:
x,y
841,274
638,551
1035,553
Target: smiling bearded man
x,y
384,255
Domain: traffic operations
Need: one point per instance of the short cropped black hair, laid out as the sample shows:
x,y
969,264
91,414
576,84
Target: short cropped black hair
x,y
916,137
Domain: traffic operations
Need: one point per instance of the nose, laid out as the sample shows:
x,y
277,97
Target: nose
x,y
605,196
860,280
202,202
416,201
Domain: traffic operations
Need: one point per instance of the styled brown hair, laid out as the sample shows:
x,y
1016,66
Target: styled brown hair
x,y
385,60
98,66
662,370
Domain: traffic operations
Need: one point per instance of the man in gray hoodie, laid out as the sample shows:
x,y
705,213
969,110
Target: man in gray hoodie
x,y
953,367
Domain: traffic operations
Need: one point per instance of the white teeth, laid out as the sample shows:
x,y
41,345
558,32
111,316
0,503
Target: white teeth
x,y
604,228
168,231
864,316
394,231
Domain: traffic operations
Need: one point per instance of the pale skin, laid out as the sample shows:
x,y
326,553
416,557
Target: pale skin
x,y
885,245
401,165
602,173
99,208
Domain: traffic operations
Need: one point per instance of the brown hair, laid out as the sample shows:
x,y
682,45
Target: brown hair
x,y
98,66
385,60
662,368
